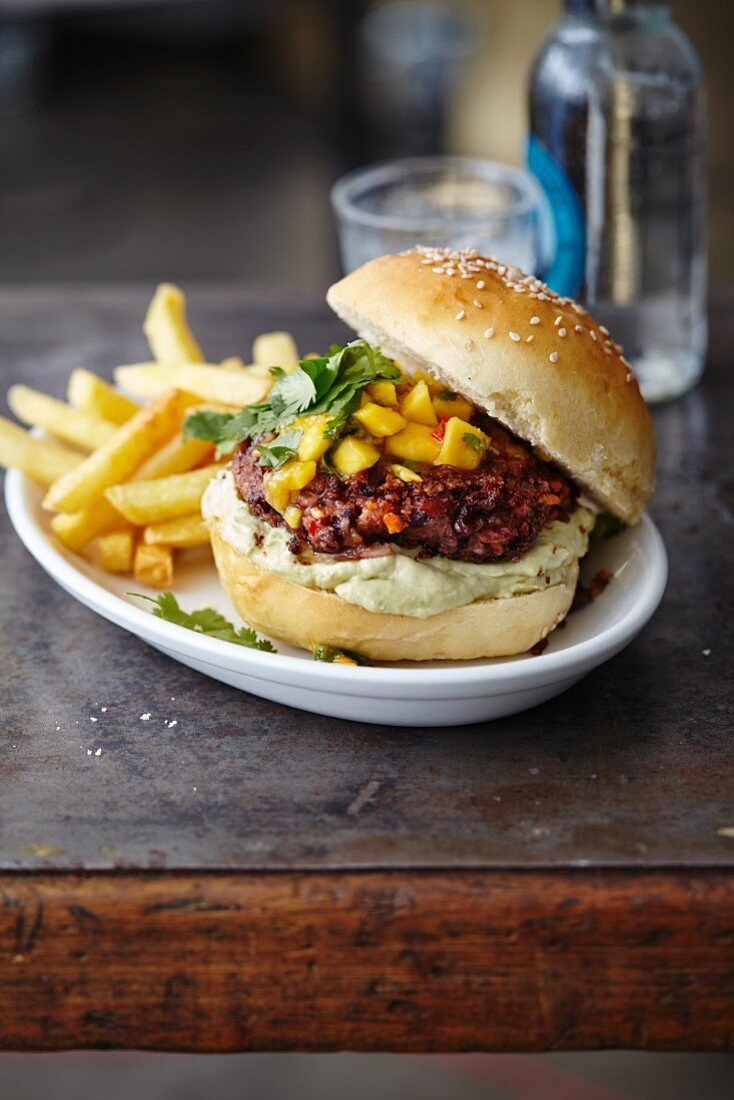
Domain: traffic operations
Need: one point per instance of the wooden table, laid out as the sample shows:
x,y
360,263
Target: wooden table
x,y
259,878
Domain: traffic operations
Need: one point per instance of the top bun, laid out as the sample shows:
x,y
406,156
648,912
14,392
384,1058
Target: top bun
x,y
534,361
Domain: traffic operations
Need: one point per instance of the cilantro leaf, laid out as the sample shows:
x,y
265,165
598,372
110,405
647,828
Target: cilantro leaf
x,y
330,384
606,527
279,450
473,441
206,621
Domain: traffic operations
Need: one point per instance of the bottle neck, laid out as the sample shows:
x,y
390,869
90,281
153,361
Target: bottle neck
x,y
617,7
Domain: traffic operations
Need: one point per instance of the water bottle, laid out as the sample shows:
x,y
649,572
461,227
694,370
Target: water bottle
x,y
617,142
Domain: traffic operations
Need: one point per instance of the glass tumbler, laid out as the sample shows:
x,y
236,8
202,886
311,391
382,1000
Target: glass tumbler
x,y
452,202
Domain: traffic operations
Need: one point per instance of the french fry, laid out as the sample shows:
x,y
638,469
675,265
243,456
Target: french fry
x,y
176,457
206,381
185,531
119,458
117,551
83,429
76,529
37,458
146,502
88,391
275,349
166,329
153,565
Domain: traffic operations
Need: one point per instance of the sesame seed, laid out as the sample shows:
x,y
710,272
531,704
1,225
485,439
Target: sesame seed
x,y
437,270
529,339
542,297
557,321
469,345
604,330
515,336
592,334
578,328
535,320
467,275
488,333
561,332
553,357
461,315
478,304
607,351
629,377
481,284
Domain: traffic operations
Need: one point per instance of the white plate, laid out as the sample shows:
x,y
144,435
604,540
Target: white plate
x,y
439,693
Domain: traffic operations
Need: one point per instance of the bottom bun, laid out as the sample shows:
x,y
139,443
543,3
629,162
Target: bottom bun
x,y
304,616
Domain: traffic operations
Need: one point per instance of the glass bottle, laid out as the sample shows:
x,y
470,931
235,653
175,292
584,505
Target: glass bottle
x,y
617,141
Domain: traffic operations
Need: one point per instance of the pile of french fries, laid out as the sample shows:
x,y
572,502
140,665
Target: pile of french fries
x,y
123,482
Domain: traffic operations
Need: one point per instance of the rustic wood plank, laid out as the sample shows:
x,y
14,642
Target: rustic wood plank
x,y
400,961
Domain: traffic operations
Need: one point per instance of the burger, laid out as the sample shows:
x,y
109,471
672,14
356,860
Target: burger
x,y
427,491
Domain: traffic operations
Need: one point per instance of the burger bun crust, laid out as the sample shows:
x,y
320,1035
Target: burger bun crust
x,y
304,616
534,361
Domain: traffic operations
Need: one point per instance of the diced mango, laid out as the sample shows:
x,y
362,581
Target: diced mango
x,y
463,445
430,381
313,443
404,473
290,478
417,406
378,420
414,443
383,393
353,455
293,516
447,403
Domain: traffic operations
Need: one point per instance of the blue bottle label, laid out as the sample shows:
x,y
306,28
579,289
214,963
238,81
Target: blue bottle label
x,y
567,254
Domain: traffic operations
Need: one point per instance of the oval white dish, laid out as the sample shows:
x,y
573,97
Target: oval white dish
x,y
438,693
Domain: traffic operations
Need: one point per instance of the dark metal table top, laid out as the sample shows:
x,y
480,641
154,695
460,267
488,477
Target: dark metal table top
x,y
631,767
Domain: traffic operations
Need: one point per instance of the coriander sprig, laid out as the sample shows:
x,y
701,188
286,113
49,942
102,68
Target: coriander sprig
x,y
205,621
331,384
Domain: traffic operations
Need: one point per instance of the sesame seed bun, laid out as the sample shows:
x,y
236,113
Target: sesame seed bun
x,y
534,361
305,616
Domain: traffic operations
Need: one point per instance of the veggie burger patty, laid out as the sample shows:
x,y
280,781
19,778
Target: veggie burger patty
x,y
492,513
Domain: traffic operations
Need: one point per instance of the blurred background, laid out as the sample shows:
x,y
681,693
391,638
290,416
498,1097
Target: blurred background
x,y
198,139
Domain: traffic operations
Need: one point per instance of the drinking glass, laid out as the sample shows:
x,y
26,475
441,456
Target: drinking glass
x,y
453,202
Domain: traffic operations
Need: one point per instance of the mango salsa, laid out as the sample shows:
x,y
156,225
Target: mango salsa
x,y
290,478
463,445
417,405
313,443
414,443
404,473
353,455
379,421
383,393
448,404
293,516
423,376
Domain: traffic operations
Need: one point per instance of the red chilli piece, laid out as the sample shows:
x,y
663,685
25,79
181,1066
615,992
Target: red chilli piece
x,y
440,431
